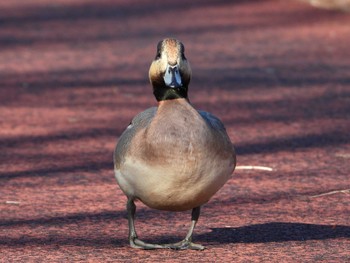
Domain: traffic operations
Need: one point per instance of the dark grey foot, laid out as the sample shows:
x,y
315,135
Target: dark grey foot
x,y
137,243
185,244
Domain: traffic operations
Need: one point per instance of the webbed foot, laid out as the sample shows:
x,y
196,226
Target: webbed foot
x,y
185,244
137,243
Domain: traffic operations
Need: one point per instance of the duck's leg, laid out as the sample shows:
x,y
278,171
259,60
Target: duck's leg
x,y
133,239
187,242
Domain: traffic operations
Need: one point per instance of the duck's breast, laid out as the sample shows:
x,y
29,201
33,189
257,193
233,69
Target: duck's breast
x,y
177,162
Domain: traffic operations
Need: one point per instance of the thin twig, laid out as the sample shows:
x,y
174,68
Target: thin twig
x,y
345,191
253,167
12,202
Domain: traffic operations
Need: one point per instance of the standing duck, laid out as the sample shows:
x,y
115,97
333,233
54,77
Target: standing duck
x,y
172,157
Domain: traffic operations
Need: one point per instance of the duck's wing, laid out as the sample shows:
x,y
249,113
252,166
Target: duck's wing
x,y
218,127
140,121
213,121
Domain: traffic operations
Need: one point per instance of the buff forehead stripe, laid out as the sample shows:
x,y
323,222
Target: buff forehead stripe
x,y
172,49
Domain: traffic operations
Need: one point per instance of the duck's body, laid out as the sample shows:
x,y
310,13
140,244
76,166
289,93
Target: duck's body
x,y
172,157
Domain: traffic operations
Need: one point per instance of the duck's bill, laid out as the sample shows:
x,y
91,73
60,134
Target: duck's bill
x,y
172,77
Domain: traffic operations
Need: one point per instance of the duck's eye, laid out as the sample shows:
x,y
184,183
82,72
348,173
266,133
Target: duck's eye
x,y
182,51
158,55
159,48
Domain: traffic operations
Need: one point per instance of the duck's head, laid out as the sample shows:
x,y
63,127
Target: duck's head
x,y
170,72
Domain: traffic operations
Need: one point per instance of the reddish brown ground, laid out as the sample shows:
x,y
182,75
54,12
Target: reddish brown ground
x,y
73,74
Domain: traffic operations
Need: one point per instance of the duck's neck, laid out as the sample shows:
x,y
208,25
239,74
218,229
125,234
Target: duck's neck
x,y
179,102
166,93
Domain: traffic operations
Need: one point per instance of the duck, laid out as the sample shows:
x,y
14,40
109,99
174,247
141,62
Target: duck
x,y
172,157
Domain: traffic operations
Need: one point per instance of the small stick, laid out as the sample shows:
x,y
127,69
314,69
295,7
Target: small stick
x,y
253,167
345,191
12,202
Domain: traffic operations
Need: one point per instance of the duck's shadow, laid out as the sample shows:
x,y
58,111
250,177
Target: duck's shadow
x,y
274,232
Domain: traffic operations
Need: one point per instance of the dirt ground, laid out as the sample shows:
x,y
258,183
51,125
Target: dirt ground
x,y
74,73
